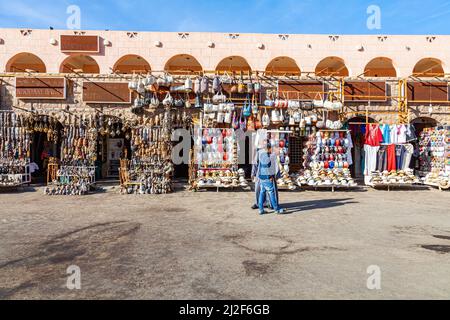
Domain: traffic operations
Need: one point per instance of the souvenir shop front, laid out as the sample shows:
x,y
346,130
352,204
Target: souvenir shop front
x,y
117,128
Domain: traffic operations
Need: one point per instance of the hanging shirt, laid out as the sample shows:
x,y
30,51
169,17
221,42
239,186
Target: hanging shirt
x,y
373,135
410,133
391,158
399,156
349,148
386,131
394,134
401,134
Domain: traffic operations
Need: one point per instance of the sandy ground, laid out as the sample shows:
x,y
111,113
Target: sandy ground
x,y
211,245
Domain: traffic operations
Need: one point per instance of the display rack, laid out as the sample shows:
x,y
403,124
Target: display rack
x,y
145,176
435,157
15,180
215,160
70,180
326,161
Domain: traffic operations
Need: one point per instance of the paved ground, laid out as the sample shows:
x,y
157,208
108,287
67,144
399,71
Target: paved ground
x,y
212,246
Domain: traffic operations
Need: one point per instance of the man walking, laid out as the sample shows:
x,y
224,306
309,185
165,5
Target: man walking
x,y
267,173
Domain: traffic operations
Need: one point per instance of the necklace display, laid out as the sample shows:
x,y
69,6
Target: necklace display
x,y
15,138
15,145
150,170
79,143
76,174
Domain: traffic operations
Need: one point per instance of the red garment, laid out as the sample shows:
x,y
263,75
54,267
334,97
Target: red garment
x,y
391,158
374,136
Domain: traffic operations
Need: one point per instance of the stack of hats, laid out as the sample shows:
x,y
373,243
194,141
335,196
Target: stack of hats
x,y
394,177
323,177
440,179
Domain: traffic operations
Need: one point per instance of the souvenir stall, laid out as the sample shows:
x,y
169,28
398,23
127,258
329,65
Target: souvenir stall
x,y
327,155
327,159
279,140
150,169
75,170
388,154
233,111
15,142
434,158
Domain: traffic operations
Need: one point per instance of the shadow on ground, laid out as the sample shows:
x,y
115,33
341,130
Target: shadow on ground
x,y
302,206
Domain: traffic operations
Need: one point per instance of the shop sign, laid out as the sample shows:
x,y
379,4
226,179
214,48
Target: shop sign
x,y
41,88
365,91
427,92
86,44
301,90
106,92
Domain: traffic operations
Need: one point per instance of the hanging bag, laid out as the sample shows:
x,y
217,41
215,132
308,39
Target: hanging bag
x,y
265,119
187,103
242,122
217,84
220,117
179,102
258,121
133,85
235,121
219,97
154,101
168,100
255,107
228,117
247,109
241,86
318,101
197,86
251,124
204,85
250,88
188,86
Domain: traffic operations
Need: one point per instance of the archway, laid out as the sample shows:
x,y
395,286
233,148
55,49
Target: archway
x,y
283,66
80,64
422,123
332,66
380,67
233,64
429,67
182,64
26,62
131,63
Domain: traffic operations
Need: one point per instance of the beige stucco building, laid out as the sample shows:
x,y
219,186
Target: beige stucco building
x,y
405,54
331,57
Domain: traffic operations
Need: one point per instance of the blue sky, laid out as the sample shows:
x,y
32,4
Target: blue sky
x,y
256,16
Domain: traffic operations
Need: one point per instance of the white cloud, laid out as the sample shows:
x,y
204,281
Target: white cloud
x,y
24,14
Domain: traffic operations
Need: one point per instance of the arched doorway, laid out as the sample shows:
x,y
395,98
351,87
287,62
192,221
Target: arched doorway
x,y
380,67
423,123
332,67
429,67
25,62
283,66
46,143
357,126
233,64
183,64
130,64
80,64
